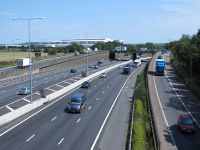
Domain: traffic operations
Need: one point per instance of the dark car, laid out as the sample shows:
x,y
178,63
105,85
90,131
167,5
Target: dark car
x,y
186,123
77,102
72,70
86,84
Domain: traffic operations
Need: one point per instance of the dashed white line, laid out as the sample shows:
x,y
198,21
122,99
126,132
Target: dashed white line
x,y
78,120
108,87
97,99
30,138
94,85
89,107
53,118
60,141
103,92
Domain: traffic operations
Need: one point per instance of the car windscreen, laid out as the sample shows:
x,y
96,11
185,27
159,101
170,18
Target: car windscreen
x,y
187,121
76,100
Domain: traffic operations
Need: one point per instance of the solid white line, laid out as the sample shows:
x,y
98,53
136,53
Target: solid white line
x,y
163,113
60,141
179,97
78,120
53,118
89,107
104,122
30,138
9,108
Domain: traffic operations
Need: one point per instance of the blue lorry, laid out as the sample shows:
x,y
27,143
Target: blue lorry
x,y
160,67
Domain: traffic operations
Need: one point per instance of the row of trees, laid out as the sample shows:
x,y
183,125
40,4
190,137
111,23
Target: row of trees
x,y
186,52
186,59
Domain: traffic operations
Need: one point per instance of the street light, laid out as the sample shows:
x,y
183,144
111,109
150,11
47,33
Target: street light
x,y
13,49
29,47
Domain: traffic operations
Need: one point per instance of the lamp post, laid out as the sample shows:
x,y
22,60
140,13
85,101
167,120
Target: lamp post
x,y
29,47
13,50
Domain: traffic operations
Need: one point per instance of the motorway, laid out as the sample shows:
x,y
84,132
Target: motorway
x,y
11,100
55,128
176,99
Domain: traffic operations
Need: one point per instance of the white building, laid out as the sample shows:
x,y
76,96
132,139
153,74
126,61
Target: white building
x,y
84,42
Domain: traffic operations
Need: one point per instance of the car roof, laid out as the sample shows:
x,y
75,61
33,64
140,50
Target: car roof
x,y
185,116
77,95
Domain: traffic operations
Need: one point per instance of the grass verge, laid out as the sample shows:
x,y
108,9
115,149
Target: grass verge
x,y
142,137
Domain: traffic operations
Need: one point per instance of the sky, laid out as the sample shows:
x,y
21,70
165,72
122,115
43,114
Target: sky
x,y
134,21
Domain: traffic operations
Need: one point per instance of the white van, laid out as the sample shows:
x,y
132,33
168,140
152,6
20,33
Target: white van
x,y
137,63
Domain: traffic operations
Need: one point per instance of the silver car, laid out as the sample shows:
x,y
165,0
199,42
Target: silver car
x,y
24,91
103,75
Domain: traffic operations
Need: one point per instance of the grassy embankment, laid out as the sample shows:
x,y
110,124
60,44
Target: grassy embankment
x,y
8,58
142,132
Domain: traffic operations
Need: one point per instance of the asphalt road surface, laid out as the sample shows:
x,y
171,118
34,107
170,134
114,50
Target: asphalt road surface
x,y
54,128
176,99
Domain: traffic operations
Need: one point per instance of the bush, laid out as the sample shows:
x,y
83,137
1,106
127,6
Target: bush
x,y
52,52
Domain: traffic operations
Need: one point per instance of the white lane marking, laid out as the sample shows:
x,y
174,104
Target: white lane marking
x,y
53,118
30,138
179,97
94,85
51,89
37,93
3,91
104,122
60,141
37,112
103,92
25,100
89,107
78,120
97,99
108,87
73,79
9,108
163,113
66,82
78,77
99,82
59,85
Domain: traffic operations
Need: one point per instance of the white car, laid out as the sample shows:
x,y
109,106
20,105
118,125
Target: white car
x,y
24,91
103,75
